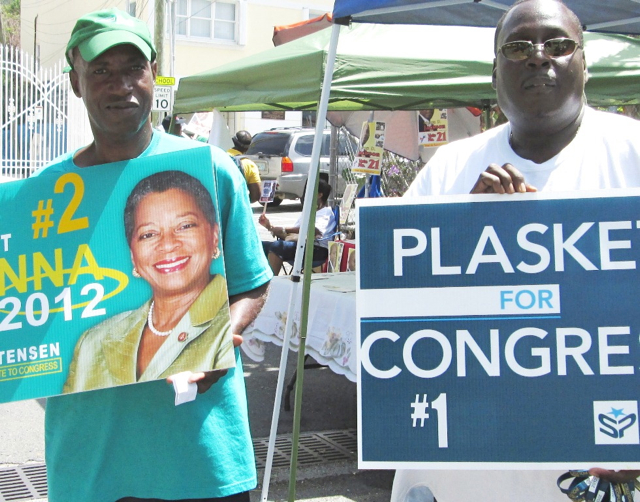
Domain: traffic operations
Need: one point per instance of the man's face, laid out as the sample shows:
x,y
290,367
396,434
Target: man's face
x,y
540,91
117,89
427,114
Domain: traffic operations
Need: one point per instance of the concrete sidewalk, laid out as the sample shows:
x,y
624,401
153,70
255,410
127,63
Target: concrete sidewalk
x,y
329,409
339,482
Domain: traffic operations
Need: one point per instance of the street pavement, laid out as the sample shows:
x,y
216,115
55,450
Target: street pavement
x,y
22,433
329,404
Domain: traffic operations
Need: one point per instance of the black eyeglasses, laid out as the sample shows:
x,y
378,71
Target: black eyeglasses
x,y
553,48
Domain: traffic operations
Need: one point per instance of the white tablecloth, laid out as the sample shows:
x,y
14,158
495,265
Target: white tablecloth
x,y
331,331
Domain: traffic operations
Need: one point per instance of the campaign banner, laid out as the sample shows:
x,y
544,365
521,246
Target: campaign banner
x,y
369,156
433,127
499,332
78,285
268,191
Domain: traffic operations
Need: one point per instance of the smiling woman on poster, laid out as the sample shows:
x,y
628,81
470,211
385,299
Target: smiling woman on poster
x,y
171,229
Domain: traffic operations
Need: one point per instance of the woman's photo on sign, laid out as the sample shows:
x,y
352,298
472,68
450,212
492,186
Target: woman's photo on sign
x,y
173,236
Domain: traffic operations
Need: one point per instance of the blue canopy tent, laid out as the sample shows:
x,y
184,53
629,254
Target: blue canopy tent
x,y
617,16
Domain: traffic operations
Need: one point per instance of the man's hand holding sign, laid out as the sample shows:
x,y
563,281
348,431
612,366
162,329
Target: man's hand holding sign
x,y
502,179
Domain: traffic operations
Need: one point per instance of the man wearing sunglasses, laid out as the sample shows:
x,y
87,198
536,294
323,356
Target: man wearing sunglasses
x,y
552,142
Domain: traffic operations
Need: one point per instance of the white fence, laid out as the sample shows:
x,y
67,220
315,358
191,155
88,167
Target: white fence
x,y
40,116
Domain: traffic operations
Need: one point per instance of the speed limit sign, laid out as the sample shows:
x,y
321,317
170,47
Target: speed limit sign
x,y
162,98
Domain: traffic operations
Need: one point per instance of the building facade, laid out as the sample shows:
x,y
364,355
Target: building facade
x,y
198,35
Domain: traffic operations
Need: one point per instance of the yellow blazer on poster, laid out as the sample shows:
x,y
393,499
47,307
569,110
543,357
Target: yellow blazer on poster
x,y
106,354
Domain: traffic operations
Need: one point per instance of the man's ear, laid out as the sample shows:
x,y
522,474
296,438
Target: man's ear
x,y
585,69
493,75
154,69
73,78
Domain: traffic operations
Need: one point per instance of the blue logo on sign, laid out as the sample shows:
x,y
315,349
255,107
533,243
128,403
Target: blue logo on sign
x,y
615,427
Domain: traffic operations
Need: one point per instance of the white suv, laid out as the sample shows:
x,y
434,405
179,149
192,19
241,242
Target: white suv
x,y
284,154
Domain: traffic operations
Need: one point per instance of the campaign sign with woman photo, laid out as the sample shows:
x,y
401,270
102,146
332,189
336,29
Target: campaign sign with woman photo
x,y
110,277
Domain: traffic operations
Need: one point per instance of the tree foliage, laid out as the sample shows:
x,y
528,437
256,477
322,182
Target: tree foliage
x,y
10,13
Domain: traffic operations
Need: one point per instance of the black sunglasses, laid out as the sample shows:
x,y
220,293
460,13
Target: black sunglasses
x,y
553,48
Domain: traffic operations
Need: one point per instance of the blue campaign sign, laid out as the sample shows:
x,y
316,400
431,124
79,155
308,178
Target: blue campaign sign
x,y
501,330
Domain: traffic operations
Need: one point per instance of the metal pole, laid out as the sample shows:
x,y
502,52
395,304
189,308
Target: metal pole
x,y
333,163
158,40
174,27
304,314
367,183
486,115
35,41
278,398
158,34
310,202
307,233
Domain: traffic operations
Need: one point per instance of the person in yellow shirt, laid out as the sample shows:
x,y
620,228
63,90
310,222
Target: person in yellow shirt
x,y
241,141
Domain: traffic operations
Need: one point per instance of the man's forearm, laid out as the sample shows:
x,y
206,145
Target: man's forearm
x,y
245,307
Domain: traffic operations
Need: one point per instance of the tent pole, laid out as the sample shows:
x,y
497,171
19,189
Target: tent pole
x,y
333,163
307,232
367,183
486,115
304,314
275,417
307,227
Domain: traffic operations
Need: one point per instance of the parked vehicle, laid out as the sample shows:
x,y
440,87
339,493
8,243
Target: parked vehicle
x,y
284,154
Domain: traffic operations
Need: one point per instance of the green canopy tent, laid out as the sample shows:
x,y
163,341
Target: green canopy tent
x,y
395,67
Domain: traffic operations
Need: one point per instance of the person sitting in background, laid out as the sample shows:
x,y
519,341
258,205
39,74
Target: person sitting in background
x,y
241,142
284,248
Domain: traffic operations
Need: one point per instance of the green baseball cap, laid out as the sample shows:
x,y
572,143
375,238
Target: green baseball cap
x,y
99,31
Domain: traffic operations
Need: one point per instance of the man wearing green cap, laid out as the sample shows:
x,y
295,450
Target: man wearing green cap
x,y
131,443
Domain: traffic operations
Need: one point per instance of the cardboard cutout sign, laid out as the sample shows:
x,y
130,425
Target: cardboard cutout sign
x,y
75,310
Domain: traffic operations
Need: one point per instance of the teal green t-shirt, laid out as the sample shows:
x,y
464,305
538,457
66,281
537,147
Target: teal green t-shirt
x,y
132,441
